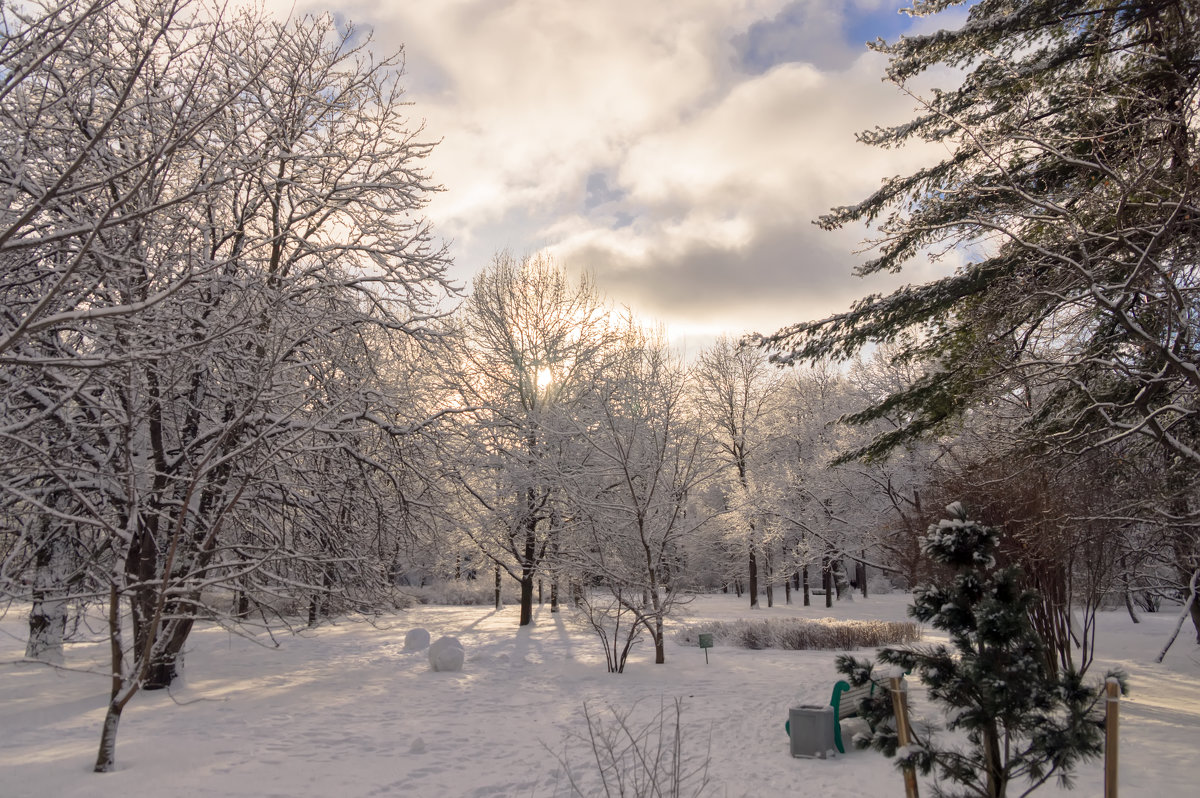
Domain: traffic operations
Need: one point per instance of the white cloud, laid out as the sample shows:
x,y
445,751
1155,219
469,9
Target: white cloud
x,y
706,171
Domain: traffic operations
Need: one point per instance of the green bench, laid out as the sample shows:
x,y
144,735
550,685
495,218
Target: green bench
x,y
845,705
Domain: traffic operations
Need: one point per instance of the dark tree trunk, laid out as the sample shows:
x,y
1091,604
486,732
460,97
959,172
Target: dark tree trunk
x,y
660,653
807,592
166,666
528,569
526,599
827,579
497,587
141,569
769,579
753,587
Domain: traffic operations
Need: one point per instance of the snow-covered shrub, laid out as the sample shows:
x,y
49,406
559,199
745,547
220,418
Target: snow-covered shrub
x,y
880,583
799,634
463,593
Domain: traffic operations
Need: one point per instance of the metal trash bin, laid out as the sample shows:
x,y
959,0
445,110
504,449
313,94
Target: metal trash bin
x,y
811,730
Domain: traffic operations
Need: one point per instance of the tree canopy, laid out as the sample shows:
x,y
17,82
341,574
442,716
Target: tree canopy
x,y
1070,190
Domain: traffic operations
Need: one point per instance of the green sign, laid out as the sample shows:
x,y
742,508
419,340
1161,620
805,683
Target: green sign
x,y
706,641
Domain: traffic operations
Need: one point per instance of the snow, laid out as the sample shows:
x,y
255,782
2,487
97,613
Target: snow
x,y
447,655
342,711
416,640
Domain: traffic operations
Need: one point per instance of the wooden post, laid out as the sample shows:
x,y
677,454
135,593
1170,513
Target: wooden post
x,y
1112,689
900,709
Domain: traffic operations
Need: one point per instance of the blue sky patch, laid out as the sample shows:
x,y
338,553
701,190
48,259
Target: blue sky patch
x,y
801,32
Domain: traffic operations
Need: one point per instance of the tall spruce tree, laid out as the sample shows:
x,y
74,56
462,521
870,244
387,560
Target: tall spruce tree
x,y
1071,187
1023,724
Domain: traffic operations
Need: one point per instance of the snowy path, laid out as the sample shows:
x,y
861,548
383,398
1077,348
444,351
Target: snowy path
x,y
343,712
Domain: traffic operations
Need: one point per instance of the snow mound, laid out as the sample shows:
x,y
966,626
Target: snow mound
x,y
416,640
446,654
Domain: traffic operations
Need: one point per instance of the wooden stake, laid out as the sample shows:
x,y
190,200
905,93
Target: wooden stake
x,y
900,708
1112,700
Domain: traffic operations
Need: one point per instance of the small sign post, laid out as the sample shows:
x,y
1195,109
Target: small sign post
x,y
706,643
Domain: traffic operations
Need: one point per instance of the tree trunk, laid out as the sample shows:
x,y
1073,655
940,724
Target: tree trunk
x,y
827,580
807,592
787,591
841,581
168,665
660,653
753,587
48,613
121,690
141,567
1196,619
497,587
526,599
997,784
769,575
1133,616
528,567
106,757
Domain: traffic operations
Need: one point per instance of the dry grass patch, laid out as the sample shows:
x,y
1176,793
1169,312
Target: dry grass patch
x,y
798,634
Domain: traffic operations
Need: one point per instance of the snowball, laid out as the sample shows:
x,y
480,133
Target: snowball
x,y
446,654
416,640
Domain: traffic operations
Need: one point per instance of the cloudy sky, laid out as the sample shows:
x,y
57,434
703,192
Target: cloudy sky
x,y
677,149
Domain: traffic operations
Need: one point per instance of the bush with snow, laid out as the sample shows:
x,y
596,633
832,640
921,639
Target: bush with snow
x,y
463,593
799,634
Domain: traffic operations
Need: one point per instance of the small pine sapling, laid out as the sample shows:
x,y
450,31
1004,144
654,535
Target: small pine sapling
x,y
1023,725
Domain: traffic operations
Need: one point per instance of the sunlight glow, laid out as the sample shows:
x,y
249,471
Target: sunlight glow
x,y
544,378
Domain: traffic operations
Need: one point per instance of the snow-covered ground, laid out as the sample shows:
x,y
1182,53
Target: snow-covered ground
x,y
342,711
